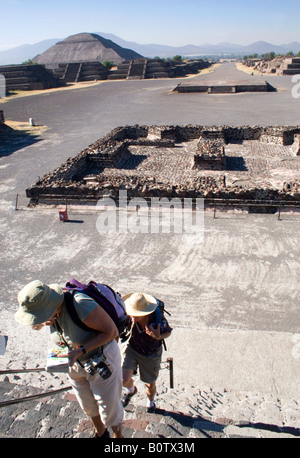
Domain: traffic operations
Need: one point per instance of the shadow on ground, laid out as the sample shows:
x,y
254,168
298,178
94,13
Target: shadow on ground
x,y
12,140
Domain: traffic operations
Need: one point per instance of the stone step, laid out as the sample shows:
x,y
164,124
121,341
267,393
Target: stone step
x,y
117,77
180,414
291,72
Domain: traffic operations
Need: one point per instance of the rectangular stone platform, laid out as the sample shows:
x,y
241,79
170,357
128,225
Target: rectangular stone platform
x,y
225,88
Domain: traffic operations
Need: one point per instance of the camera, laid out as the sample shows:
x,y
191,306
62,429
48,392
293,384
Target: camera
x,y
97,364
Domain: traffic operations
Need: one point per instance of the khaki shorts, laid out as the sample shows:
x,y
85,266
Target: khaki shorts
x,y
96,395
148,365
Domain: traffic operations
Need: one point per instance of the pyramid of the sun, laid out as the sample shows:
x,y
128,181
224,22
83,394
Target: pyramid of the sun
x,y
85,47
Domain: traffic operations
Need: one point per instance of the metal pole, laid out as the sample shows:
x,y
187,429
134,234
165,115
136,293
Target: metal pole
x,y
18,371
34,396
170,367
16,205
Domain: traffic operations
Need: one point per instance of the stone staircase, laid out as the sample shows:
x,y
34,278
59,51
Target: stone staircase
x,y
291,66
120,73
182,413
72,72
142,69
80,71
137,69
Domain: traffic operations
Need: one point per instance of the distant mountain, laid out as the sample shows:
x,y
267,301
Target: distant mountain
x,y
25,52
22,53
163,51
262,47
206,49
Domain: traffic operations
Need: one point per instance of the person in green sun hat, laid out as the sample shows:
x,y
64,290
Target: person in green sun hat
x,y
98,396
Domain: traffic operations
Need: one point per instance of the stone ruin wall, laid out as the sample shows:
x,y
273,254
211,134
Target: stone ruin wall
x,y
280,65
73,180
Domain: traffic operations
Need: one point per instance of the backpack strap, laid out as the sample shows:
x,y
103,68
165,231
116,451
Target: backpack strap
x,y
105,303
102,302
69,297
92,291
159,317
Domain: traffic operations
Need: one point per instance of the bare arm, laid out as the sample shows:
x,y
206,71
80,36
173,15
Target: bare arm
x,y
156,333
100,321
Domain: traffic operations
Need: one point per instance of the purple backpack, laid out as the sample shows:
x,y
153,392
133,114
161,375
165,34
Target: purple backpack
x,y
105,296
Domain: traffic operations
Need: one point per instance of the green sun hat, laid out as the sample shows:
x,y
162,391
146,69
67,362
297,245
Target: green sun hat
x,y
38,302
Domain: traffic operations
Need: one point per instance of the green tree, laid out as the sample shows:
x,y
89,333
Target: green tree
x,y
108,64
29,62
268,55
177,59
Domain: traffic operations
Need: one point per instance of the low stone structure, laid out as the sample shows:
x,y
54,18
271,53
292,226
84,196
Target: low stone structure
x,y
79,71
28,77
36,77
225,88
210,152
156,68
280,65
226,164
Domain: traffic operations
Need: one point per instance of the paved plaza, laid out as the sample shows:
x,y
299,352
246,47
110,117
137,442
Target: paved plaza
x,y
233,290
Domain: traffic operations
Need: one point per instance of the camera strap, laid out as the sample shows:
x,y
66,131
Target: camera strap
x,y
59,330
60,333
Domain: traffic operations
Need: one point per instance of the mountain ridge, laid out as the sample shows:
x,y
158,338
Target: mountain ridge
x,y
25,52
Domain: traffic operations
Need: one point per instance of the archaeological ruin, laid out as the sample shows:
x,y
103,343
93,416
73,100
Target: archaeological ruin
x,y
225,88
28,77
85,47
280,65
156,68
246,166
79,58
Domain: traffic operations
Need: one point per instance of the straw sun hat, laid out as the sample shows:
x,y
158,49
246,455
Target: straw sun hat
x,y
38,302
139,304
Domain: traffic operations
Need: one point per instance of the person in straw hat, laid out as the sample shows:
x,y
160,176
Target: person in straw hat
x,y
99,398
143,349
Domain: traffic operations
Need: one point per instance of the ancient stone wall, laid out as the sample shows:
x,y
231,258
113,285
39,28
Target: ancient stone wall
x,y
210,152
156,68
28,77
98,170
280,65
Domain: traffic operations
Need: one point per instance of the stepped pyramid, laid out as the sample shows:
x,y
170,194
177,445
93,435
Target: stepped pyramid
x,y
85,47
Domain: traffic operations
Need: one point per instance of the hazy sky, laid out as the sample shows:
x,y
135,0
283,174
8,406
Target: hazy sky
x,y
169,22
